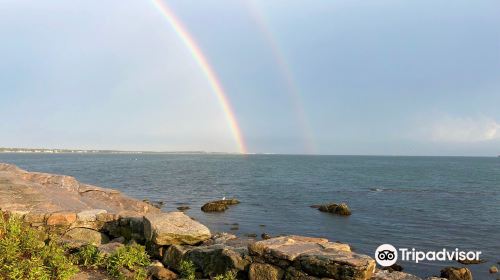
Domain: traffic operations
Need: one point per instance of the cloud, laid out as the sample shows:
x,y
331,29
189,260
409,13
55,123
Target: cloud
x,y
463,129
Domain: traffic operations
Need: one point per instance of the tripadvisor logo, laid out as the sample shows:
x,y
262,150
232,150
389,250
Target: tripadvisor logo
x,y
387,255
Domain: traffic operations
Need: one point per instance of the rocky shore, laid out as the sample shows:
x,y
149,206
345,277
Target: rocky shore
x,y
83,214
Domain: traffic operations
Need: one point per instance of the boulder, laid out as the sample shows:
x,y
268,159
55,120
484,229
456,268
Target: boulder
x,y
339,209
90,215
61,219
337,264
174,255
211,260
285,249
174,228
161,273
218,205
456,273
262,271
86,235
312,257
109,248
217,259
393,275
36,192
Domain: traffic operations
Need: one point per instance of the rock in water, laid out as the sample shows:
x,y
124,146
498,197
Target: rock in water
x,y
456,273
493,269
219,205
174,228
183,208
340,209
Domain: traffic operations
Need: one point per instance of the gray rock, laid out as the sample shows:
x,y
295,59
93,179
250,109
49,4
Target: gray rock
x,y
340,209
456,273
89,215
315,257
211,260
161,273
219,205
109,248
86,235
261,271
174,228
393,275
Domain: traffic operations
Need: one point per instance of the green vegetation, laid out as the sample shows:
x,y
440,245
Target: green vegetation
x,y
132,257
187,270
229,275
90,257
25,255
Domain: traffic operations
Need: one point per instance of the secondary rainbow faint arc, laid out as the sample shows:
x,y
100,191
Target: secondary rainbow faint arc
x,y
284,68
202,61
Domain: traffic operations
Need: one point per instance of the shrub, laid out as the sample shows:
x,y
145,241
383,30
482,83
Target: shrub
x,y
24,255
132,257
187,270
90,257
229,275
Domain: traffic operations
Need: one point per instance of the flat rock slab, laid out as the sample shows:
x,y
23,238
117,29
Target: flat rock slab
x,y
174,228
314,256
395,275
23,192
290,247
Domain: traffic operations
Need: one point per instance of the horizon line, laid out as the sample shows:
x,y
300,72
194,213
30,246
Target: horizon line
x,y
111,151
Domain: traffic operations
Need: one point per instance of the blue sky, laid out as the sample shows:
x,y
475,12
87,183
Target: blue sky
x,y
373,77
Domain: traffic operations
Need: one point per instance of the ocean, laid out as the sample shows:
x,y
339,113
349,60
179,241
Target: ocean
x,y
426,203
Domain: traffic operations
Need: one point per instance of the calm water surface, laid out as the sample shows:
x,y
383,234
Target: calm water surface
x,y
428,203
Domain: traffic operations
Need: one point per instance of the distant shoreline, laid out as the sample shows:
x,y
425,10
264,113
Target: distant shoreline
x,y
113,152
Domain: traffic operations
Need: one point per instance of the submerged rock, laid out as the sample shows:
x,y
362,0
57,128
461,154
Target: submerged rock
x,y
174,228
219,205
456,273
493,269
183,208
340,209
473,261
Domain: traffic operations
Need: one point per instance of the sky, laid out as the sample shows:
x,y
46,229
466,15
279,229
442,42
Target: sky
x,y
303,77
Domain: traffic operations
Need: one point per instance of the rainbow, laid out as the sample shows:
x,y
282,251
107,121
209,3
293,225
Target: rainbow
x,y
203,63
284,68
